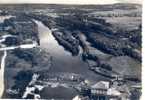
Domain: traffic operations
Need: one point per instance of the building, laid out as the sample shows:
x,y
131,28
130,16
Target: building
x,y
99,91
113,94
78,97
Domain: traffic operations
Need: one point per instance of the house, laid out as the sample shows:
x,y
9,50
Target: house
x,y
113,94
119,92
78,97
99,91
100,87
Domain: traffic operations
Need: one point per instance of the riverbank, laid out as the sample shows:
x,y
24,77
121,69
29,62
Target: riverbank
x,y
72,40
63,61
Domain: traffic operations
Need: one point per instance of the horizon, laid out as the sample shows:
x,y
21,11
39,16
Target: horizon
x,y
61,4
70,2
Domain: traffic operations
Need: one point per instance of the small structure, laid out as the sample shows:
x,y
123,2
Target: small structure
x,y
113,94
77,98
99,91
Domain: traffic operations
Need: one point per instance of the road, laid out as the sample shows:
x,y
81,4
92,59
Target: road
x,y
2,69
3,61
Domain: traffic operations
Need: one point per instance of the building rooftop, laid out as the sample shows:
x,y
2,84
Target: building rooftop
x,y
101,85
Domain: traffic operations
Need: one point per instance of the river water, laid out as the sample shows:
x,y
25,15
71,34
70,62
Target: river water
x,y
62,60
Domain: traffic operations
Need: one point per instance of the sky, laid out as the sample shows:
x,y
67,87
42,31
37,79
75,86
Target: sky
x,y
72,1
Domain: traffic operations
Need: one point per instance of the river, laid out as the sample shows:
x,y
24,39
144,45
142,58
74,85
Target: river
x,y
63,61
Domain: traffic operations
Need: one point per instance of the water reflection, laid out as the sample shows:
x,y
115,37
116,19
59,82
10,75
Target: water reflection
x,y
48,42
63,61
